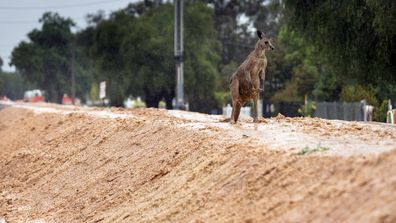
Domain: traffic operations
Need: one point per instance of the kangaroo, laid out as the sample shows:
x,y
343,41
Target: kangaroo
x,y
246,81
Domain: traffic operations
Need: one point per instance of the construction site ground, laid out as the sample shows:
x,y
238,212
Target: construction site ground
x,y
71,164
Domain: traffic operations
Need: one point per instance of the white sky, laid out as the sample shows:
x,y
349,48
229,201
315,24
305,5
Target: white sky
x,y
19,17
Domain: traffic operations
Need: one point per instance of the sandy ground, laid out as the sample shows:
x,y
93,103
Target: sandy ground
x,y
68,164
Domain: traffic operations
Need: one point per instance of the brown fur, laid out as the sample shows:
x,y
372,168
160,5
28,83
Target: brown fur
x,y
245,82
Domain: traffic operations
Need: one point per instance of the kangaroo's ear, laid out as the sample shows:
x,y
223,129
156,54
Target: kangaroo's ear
x,y
260,34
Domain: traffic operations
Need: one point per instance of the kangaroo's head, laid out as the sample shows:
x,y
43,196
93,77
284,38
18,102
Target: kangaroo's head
x,y
264,43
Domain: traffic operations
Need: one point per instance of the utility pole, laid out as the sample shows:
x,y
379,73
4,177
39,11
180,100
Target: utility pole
x,y
179,53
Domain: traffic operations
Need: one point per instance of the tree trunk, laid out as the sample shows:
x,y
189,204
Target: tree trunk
x,y
152,102
52,94
168,99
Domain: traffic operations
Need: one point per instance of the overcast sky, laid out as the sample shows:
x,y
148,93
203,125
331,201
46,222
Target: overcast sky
x,y
19,17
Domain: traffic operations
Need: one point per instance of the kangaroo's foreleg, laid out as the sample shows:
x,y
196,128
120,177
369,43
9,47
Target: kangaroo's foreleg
x,y
262,80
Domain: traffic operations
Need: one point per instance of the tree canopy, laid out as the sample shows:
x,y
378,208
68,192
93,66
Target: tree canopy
x,y
45,59
133,52
356,38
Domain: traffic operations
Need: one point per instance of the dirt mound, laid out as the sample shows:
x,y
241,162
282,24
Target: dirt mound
x,y
147,165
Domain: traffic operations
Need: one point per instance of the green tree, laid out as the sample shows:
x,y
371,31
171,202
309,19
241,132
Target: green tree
x,y
133,51
1,64
108,37
299,60
353,93
356,38
45,59
202,57
149,46
380,112
86,70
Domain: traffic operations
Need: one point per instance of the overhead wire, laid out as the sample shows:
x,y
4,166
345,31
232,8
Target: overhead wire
x,y
19,22
55,6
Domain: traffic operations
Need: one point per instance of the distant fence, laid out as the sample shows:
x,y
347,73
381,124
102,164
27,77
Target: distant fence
x,y
349,111
285,108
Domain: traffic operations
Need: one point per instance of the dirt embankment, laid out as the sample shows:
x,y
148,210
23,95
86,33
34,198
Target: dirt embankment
x,y
146,165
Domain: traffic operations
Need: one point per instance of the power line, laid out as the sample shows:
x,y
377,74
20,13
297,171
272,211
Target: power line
x,y
56,6
16,22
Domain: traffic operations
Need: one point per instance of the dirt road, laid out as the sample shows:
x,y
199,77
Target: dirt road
x,y
68,164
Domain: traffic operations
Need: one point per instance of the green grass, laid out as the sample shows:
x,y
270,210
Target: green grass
x,y
307,150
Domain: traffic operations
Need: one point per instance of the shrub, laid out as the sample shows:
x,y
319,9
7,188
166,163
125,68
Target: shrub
x,y
353,93
380,112
307,109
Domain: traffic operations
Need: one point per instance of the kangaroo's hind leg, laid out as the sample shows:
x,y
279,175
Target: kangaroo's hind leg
x,y
236,100
255,108
236,109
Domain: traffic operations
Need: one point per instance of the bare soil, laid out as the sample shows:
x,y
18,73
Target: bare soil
x,y
68,164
